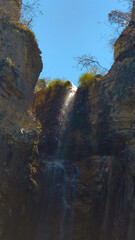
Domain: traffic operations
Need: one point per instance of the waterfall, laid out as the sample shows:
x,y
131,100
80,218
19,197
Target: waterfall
x,y
65,114
57,215
67,107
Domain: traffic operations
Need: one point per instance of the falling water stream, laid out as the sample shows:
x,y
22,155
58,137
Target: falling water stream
x,y
56,221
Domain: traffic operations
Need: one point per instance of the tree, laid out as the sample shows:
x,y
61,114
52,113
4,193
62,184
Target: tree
x,y
29,10
20,11
91,64
121,19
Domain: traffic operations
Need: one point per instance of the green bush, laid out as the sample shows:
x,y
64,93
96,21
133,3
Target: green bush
x,y
58,82
87,79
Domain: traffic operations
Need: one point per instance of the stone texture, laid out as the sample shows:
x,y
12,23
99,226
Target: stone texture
x,y
20,65
100,140
10,9
47,106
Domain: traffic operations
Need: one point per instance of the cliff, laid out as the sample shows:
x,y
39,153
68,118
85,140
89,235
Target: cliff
x,y
106,160
20,66
72,163
100,140
47,106
10,10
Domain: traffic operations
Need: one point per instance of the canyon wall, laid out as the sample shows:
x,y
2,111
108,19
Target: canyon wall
x,y
20,66
100,140
10,10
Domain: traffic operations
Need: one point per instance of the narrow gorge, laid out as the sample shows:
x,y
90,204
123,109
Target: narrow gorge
x,y
67,155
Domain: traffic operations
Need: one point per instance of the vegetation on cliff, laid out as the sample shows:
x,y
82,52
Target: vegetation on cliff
x,y
88,79
58,82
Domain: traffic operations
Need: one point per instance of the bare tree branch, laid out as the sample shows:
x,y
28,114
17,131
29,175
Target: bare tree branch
x,y
119,17
90,63
30,9
16,11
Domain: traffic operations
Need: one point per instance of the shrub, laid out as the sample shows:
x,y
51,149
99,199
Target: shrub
x,y
87,79
58,82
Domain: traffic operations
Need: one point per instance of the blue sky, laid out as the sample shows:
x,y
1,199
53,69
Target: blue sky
x,y
71,28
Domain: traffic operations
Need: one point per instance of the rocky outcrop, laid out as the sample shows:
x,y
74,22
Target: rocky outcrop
x,y
20,65
10,10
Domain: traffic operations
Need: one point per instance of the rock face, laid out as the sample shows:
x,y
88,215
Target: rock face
x,y
47,106
107,162
10,10
100,140
20,65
